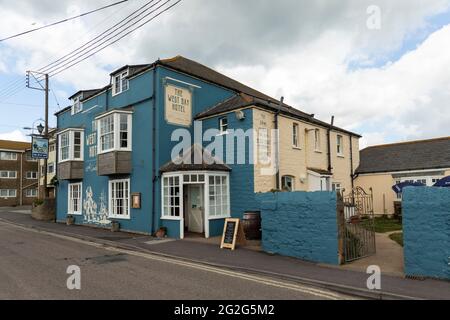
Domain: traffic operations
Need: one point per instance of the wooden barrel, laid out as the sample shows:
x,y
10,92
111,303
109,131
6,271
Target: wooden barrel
x,y
252,225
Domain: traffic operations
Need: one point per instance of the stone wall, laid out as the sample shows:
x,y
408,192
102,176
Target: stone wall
x,y
301,225
426,232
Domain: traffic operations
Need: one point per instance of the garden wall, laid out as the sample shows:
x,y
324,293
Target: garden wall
x,y
300,224
426,228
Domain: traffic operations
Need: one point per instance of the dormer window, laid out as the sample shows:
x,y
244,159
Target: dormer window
x,y
77,106
120,83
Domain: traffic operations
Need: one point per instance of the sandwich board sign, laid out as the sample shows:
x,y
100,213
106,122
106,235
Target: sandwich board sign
x,y
232,233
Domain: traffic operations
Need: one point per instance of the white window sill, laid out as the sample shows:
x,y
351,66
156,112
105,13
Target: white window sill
x,y
120,217
318,151
219,217
296,148
70,160
75,214
341,156
118,93
171,218
114,150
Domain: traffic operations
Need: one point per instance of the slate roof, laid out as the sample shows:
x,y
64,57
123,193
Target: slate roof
x,y
187,162
86,93
245,95
14,145
414,155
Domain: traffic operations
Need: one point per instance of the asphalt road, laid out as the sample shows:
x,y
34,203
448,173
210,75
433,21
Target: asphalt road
x,y
33,265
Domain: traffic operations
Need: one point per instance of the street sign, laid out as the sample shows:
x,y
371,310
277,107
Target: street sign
x,y
39,148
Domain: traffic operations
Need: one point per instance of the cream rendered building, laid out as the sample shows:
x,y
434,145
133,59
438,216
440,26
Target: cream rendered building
x,y
383,166
51,168
304,162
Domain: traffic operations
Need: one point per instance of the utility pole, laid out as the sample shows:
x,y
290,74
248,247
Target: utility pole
x,y
44,88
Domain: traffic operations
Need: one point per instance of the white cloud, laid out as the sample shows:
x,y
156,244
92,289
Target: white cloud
x,y
15,135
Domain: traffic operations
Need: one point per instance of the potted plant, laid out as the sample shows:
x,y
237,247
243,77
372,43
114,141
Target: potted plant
x,y
70,220
161,233
115,226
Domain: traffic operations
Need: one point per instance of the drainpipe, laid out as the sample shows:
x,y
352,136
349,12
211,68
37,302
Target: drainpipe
x,y
21,180
329,144
277,147
154,178
352,176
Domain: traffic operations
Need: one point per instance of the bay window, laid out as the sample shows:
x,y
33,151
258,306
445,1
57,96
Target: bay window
x,y
75,198
71,145
218,196
171,197
119,199
114,132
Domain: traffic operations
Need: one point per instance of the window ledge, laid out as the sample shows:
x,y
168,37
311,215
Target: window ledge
x,y
296,148
119,217
74,214
341,156
219,217
318,151
171,218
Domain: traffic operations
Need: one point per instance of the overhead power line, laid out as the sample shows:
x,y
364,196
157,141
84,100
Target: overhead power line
x,y
62,21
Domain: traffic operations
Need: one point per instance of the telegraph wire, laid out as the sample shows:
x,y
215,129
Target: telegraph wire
x,y
95,39
99,44
62,21
139,26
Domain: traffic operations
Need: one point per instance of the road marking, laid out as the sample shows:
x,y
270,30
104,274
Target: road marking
x,y
325,294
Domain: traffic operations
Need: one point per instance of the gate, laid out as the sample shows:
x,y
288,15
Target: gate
x,y
357,225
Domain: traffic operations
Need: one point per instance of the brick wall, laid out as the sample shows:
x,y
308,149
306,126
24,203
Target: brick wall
x,y
426,228
301,225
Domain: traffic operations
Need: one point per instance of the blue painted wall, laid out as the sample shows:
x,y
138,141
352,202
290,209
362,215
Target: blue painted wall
x,y
301,225
426,231
242,175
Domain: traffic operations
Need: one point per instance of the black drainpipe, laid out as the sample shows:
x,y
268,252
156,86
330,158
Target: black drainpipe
x,y
330,167
154,177
277,156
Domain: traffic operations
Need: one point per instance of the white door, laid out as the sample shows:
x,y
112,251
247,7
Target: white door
x,y
195,209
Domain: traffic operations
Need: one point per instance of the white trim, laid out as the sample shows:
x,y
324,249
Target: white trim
x,y
115,114
69,210
8,173
8,196
403,172
91,108
316,174
110,210
79,98
71,145
187,83
10,152
111,112
31,196
122,75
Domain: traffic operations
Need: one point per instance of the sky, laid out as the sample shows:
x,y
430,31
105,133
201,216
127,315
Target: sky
x,y
381,67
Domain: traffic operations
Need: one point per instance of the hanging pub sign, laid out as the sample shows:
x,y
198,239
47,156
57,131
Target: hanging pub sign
x,y
39,148
232,233
178,105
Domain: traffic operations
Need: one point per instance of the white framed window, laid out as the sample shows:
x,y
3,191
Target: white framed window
x,y
219,202
336,187
71,145
119,199
317,145
31,193
287,183
77,105
75,198
10,156
114,132
120,83
295,135
223,125
171,197
51,168
8,174
31,175
8,193
340,145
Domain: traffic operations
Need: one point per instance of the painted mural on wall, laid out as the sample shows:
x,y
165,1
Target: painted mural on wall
x,y
94,213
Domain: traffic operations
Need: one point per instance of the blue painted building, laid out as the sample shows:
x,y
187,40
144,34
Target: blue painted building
x,y
119,155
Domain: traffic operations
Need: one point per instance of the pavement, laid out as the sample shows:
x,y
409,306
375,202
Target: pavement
x,y
249,261
389,257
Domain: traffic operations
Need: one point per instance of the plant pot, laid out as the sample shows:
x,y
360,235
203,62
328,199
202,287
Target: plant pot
x,y
161,233
115,226
70,220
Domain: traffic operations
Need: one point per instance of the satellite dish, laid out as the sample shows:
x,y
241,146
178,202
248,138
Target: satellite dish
x,y
240,115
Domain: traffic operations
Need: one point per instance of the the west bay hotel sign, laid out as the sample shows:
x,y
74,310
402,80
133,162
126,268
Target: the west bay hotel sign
x,y
178,105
